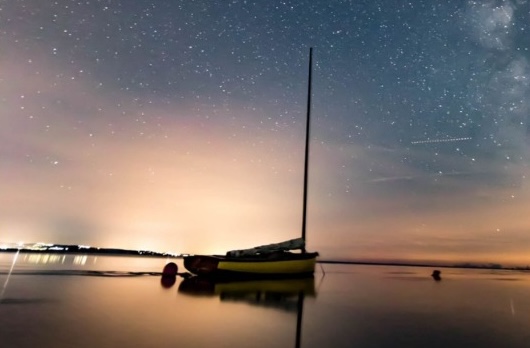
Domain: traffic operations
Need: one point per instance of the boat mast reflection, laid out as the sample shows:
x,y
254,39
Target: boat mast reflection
x,y
283,294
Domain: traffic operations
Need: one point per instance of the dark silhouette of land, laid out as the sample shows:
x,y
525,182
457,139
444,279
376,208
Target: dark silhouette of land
x,y
80,249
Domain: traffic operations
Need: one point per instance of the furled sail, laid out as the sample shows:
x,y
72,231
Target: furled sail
x,y
293,244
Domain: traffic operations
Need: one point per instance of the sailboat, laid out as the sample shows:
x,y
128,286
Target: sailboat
x,y
267,261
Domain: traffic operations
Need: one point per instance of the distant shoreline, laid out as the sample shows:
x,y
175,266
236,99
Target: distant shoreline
x,y
73,250
406,264
81,250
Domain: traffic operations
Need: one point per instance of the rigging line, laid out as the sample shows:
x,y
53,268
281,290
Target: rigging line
x,y
321,278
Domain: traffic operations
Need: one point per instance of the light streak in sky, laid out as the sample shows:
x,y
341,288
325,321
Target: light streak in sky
x,y
440,140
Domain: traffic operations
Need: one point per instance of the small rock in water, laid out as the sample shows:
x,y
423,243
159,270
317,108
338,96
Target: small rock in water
x,y
436,275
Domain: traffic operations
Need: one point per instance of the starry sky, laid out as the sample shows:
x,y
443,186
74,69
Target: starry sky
x,y
179,126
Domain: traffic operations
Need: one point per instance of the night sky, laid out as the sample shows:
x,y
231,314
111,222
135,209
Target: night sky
x,y
179,126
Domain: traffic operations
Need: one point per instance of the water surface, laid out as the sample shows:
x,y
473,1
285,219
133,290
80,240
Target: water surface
x,y
57,301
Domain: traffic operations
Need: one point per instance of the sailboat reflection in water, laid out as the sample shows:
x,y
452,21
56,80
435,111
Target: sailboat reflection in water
x,y
282,294
272,293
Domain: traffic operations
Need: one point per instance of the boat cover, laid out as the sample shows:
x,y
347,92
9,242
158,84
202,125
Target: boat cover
x,y
292,244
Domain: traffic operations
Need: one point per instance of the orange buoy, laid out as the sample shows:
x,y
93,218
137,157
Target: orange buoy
x,y
170,269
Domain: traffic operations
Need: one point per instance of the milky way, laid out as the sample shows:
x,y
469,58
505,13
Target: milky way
x,y
178,125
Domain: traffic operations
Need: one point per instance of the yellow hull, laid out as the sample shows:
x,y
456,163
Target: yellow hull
x,y
280,265
274,267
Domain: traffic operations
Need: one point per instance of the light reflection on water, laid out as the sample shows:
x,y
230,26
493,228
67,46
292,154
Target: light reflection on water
x,y
56,258
364,306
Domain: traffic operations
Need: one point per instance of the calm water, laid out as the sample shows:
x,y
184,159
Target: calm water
x,y
52,301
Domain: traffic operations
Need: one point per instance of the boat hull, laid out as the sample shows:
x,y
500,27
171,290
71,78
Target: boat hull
x,y
284,265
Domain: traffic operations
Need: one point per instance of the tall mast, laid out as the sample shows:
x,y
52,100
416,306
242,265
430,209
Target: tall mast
x,y
306,164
